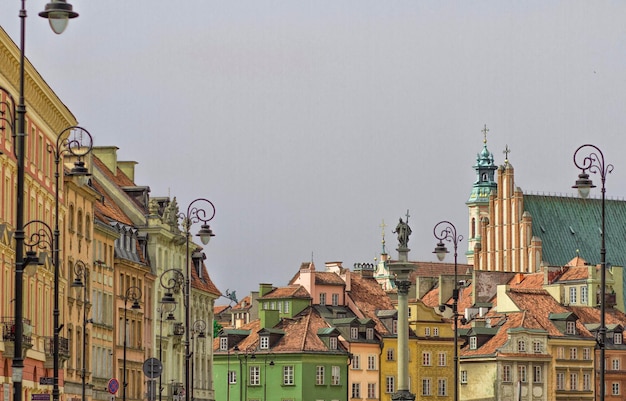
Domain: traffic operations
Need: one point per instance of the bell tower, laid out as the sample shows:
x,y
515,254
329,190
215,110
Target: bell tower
x,y
478,202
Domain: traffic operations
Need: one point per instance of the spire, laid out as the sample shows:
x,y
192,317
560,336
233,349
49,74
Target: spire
x,y
485,173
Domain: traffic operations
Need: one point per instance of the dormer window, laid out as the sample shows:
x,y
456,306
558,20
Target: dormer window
x,y
570,327
618,338
335,299
473,342
332,343
264,342
322,298
223,343
354,333
521,346
369,333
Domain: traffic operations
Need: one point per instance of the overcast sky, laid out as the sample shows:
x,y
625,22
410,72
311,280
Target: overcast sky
x,y
309,122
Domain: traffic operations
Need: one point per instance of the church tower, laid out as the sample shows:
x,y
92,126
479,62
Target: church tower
x,y
478,202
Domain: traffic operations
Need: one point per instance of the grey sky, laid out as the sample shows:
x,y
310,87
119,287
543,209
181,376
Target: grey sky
x,y
309,122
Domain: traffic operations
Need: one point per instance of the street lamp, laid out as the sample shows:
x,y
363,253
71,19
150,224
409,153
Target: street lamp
x,y
594,163
133,294
81,273
198,331
195,214
18,125
169,309
446,231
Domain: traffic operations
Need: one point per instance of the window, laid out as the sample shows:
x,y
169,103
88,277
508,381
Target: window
x,y
394,326
332,343
288,375
442,387
223,343
506,373
537,374
560,381
335,299
573,381
571,328
586,381
255,375
441,358
584,299
464,377
537,347
264,342
560,353
435,331
390,385
426,386
573,353
354,333
371,390
472,342
356,390
335,376
615,364
615,388
390,354
322,298
521,372
369,333
232,377
356,362
286,307
427,331
617,338
371,362
319,375
426,358
572,295
521,346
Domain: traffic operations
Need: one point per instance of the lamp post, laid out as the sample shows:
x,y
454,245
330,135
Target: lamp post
x,y
199,331
58,12
133,294
195,214
446,231
594,163
163,308
265,374
81,273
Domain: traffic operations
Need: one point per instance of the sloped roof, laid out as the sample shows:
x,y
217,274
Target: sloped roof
x,y
290,291
300,334
106,210
575,274
328,278
570,226
202,281
369,297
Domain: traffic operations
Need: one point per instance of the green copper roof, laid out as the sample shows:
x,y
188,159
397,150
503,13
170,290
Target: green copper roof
x,y
485,181
571,226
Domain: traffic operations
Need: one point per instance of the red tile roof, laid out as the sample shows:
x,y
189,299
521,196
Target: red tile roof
x,y
369,297
290,291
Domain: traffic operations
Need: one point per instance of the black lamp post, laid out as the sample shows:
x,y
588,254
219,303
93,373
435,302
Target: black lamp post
x,y
594,163
446,231
199,331
194,214
133,294
163,308
80,281
59,11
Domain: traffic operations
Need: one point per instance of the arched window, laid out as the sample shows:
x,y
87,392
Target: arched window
x,y
79,223
70,218
88,227
473,227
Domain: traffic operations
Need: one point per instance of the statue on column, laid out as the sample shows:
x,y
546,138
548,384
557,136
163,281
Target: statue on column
x,y
404,231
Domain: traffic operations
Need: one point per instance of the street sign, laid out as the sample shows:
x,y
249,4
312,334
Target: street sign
x,y
152,368
113,385
46,381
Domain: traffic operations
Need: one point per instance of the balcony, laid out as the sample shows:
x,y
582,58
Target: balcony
x,y
8,335
64,351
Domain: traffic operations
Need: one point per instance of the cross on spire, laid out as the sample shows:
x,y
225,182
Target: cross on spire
x,y
407,216
506,152
484,131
